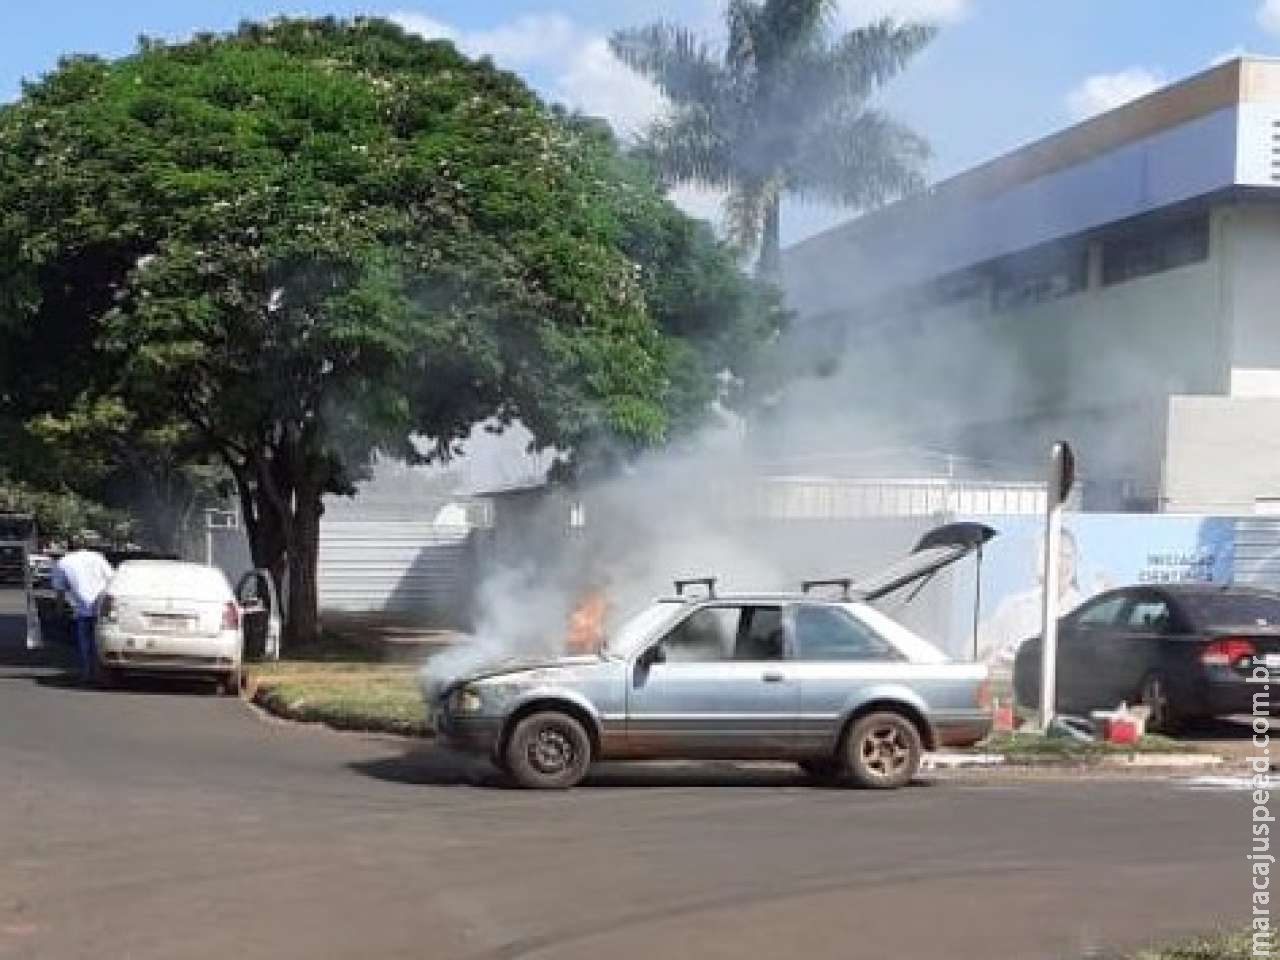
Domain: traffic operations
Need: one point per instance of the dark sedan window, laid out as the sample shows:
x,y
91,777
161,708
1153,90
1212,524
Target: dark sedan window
x,y
1101,613
1151,614
1232,610
826,633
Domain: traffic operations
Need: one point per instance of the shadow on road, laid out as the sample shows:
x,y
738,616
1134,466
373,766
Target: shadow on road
x,y
69,679
438,766
431,765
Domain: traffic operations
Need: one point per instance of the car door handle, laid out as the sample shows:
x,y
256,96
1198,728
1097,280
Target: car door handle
x,y
772,676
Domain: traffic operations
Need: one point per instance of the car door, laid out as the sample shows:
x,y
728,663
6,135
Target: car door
x,y
716,685
259,615
1124,659
838,660
1082,638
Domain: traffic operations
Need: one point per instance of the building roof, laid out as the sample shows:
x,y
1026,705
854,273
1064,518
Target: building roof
x,y
1209,133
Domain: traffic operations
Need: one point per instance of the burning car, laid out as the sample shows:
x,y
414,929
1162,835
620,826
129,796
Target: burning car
x,y
829,682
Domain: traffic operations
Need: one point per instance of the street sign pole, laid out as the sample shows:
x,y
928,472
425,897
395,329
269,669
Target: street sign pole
x,y
1061,479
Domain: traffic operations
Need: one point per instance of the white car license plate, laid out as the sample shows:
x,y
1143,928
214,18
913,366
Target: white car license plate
x,y
171,623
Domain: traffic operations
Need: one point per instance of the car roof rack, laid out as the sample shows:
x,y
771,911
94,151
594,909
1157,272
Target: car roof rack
x,y
708,582
844,583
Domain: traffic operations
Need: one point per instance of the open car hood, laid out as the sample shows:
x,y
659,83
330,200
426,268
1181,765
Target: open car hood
x,y
937,549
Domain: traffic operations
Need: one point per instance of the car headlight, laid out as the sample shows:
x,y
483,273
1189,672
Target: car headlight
x,y
467,700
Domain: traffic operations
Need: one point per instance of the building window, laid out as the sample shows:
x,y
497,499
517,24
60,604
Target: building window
x,y
1154,248
1039,276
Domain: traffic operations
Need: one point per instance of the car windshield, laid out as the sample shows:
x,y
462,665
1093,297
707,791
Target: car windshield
x,y
638,627
1233,610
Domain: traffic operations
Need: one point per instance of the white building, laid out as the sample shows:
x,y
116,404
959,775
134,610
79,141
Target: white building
x,y
1116,284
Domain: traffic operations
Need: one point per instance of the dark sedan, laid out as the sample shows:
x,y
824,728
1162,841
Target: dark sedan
x,y
1186,651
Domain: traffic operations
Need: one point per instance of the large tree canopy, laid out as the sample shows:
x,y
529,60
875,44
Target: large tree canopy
x,y
312,239
782,110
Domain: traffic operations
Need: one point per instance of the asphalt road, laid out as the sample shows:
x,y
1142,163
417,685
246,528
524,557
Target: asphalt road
x,y
165,824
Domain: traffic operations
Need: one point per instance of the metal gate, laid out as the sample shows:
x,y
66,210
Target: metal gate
x,y
421,569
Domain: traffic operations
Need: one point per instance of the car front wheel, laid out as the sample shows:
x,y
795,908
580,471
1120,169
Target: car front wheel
x,y
548,751
883,751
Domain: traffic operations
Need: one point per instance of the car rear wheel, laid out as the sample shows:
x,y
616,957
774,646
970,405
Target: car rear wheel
x,y
883,751
1154,695
548,751
229,684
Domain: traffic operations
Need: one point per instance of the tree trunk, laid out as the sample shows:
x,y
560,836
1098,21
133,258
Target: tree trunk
x,y
769,266
303,623
281,503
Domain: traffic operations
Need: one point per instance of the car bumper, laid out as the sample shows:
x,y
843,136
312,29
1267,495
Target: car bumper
x,y
470,734
963,731
158,653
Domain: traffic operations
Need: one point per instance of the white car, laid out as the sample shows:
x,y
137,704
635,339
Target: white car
x,y
178,618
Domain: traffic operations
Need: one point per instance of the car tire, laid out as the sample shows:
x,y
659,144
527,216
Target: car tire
x,y
229,684
1155,695
108,678
548,750
883,751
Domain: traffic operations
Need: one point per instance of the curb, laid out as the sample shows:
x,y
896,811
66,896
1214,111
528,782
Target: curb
x,y
1115,761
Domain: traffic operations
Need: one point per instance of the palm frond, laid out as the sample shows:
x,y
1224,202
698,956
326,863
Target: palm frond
x,y
745,21
871,56
682,66
858,160
793,24
689,147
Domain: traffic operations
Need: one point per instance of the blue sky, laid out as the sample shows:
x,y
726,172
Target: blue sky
x,y
1001,72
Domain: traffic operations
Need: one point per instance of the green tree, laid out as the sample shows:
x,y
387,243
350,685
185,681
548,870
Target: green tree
x,y
310,240
782,111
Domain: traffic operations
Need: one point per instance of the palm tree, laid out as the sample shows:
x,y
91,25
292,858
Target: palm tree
x,y
783,110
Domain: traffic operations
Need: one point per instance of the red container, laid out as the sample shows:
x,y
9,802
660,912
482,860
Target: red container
x,y
1119,730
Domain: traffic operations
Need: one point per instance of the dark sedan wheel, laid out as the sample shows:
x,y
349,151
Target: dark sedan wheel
x,y
548,751
1154,695
883,751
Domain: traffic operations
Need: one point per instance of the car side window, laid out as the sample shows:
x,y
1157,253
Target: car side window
x,y
705,636
1150,615
760,636
1102,613
829,633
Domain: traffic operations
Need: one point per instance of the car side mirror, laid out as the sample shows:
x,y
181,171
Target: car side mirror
x,y
654,654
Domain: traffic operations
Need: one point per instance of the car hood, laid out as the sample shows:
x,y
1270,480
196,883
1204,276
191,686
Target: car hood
x,y
438,680
939,548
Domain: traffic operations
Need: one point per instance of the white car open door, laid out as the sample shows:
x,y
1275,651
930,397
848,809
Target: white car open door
x,y
260,615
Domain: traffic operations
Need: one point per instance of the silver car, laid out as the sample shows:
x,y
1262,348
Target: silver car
x,y
829,682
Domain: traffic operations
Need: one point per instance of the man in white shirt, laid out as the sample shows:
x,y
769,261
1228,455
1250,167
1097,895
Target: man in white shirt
x,y
83,574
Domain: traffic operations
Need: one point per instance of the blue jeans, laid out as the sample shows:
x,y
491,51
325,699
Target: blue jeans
x,y
84,641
